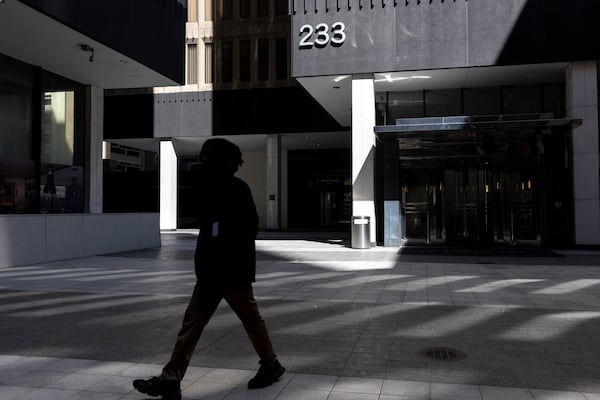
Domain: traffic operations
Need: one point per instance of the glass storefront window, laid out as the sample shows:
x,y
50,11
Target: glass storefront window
x,y
553,100
380,108
482,101
521,99
61,189
41,165
58,127
16,160
439,103
62,153
15,120
525,99
405,105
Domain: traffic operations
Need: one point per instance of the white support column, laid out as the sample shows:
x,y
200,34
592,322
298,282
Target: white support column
x,y
582,102
95,174
363,149
273,182
168,186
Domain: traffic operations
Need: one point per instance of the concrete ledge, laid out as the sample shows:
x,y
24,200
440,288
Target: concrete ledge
x,y
27,239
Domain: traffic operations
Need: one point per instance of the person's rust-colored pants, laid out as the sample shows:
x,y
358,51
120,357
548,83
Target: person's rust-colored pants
x,y
202,305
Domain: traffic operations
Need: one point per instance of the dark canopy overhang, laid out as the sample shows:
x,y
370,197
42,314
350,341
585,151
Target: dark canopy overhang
x,y
477,123
467,139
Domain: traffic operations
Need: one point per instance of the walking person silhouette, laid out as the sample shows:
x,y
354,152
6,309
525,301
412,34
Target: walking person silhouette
x,y
225,266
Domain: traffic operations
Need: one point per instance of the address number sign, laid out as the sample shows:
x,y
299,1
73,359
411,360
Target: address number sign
x,y
321,35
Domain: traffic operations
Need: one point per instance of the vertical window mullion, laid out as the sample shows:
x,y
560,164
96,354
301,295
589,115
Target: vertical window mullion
x,y
192,64
208,62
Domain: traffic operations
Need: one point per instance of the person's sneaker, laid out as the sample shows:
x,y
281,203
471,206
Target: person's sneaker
x,y
266,375
168,390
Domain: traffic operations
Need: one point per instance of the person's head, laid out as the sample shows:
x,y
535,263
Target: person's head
x,y
221,155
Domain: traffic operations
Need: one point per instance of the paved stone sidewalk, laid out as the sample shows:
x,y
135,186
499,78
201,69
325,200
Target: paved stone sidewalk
x,y
347,324
44,378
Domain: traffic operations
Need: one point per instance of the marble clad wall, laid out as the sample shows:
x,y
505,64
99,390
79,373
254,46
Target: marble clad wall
x,y
26,239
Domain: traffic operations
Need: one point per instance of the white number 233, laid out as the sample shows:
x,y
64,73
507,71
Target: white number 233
x,y
321,35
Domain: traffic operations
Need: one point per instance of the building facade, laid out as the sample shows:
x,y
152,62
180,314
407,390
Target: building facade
x,y
56,60
473,122
238,85
446,122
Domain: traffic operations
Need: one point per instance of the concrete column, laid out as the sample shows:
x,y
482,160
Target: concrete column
x,y
168,186
363,149
582,102
95,126
273,182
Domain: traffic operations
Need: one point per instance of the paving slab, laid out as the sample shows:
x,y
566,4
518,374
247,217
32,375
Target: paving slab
x,y
346,323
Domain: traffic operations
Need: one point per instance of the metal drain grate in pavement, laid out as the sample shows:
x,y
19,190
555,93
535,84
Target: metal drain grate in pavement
x,y
442,354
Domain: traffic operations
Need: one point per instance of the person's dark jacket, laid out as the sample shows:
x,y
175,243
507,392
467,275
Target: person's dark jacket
x,y
228,224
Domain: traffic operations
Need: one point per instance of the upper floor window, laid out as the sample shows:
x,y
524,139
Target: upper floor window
x,y
263,59
281,7
245,61
262,8
227,62
244,8
227,9
281,58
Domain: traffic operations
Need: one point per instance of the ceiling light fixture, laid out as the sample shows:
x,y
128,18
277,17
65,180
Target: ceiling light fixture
x,y
387,77
340,78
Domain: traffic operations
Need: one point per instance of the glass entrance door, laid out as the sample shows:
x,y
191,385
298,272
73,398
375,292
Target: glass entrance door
x,y
475,205
467,206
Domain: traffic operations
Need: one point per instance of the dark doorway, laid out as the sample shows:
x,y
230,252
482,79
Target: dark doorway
x,y
319,189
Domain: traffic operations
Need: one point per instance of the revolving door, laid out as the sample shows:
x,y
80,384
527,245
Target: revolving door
x,y
470,205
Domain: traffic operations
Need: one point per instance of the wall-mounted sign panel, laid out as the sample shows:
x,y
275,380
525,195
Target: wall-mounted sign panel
x,y
333,37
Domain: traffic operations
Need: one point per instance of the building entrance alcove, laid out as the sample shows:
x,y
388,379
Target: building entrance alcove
x,y
319,193
472,205
483,181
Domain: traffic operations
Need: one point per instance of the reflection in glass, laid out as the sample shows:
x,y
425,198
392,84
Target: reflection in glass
x,y
405,105
58,127
16,163
61,189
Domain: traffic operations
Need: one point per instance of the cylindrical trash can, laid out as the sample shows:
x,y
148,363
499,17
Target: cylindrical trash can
x,y
361,232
